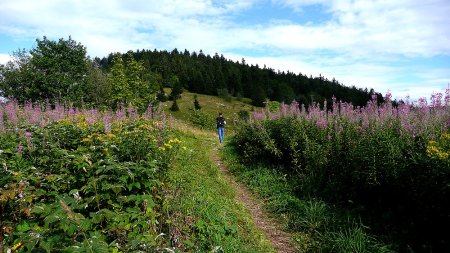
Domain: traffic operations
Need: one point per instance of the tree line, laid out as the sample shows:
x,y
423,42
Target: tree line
x,y
61,71
212,75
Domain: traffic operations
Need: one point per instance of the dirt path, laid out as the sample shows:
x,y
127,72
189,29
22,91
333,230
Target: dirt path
x,y
279,239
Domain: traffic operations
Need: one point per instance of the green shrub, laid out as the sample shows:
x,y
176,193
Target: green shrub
x,y
72,186
244,115
174,107
202,119
223,93
393,167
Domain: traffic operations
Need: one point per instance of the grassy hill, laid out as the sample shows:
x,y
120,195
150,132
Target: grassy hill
x,y
210,107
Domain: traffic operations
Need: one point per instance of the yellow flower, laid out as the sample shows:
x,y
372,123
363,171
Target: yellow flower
x,y
16,246
174,141
82,125
111,136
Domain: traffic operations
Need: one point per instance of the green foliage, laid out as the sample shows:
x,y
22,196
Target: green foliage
x,y
353,239
161,95
54,70
244,115
239,96
17,74
202,119
61,69
273,106
206,74
258,97
75,188
174,107
284,93
120,87
196,103
223,93
177,88
205,216
316,225
129,84
394,178
99,89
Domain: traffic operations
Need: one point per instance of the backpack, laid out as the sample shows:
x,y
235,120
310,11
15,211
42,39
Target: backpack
x,y
220,121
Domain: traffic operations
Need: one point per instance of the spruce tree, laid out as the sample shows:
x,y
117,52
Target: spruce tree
x,y
174,106
196,103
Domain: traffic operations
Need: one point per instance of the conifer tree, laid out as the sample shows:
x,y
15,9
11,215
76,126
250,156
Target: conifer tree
x,y
196,103
174,106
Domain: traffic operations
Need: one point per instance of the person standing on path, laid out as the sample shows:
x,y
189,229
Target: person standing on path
x,y
220,121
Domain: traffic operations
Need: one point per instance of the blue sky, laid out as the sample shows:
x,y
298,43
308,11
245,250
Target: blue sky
x,y
400,46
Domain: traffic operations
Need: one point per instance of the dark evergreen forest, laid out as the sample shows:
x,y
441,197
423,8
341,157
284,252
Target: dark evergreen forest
x,y
204,74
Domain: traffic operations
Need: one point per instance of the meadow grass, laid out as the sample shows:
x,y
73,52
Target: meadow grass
x,y
211,105
204,211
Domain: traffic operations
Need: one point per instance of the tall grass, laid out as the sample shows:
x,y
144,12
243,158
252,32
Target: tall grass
x,y
393,162
315,224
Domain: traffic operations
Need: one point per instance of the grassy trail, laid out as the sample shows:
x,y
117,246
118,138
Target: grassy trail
x,y
279,239
210,211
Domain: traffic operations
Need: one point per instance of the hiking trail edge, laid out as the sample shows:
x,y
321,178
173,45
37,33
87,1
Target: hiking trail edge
x,y
279,239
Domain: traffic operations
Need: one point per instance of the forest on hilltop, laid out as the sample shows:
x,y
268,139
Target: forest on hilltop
x,y
210,75
61,71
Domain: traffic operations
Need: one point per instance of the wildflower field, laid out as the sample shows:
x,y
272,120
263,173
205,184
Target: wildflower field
x,y
388,164
82,180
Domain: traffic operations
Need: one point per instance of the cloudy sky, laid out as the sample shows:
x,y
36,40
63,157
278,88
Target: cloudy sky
x,y
401,46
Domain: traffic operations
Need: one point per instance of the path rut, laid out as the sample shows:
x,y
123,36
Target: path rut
x,y
279,239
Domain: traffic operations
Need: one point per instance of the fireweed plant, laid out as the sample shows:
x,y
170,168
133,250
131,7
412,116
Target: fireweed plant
x,y
82,180
391,163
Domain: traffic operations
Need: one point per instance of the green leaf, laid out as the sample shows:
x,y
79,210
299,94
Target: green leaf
x,y
23,227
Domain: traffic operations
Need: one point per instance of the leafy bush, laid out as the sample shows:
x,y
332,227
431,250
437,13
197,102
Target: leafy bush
x,y
202,119
393,162
313,222
223,93
174,106
196,103
74,186
244,115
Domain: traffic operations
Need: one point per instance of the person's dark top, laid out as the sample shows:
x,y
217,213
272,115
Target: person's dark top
x,y
220,121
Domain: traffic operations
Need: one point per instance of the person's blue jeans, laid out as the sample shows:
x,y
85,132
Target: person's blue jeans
x,y
221,131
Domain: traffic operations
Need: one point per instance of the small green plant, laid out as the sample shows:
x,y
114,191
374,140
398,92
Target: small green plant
x,y
223,93
202,119
244,115
196,103
162,96
174,106
353,239
273,106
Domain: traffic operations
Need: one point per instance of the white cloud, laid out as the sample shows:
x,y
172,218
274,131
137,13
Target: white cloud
x,y
408,28
4,58
395,27
356,46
